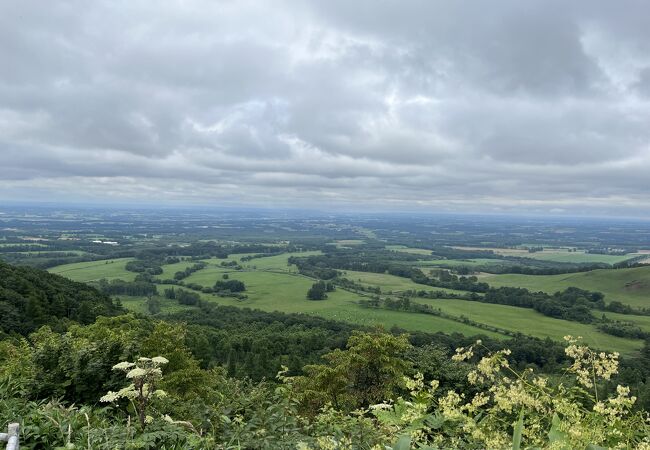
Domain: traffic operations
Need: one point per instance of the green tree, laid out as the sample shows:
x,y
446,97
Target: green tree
x,y
369,371
317,291
153,305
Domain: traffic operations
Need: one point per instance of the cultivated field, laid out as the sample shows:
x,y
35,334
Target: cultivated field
x,y
631,286
557,255
95,270
273,285
528,321
390,283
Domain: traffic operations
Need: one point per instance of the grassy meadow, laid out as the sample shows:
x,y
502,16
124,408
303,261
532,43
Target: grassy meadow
x,y
557,255
528,321
95,270
390,283
273,285
631,286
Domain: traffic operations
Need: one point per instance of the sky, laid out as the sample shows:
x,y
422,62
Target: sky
x,y
503,106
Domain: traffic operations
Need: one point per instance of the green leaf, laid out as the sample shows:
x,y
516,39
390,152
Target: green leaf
x,y
595,447
403,443
555,435
516,434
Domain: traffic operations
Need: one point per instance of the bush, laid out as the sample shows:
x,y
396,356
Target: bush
x,y
317,291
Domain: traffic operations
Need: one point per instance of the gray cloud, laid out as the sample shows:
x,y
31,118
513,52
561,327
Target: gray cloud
x,y
532,106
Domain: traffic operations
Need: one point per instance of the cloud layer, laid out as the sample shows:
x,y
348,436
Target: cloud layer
x,y
509,106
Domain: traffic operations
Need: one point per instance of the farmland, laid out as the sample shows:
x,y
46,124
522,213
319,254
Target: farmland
x,y
364,261
567,255
631,286
270,290
272,285
533,323
96,270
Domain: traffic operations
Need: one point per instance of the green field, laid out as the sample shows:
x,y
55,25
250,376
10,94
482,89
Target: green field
x,y
270,291
46,253
578,257
631,286
208,276
346,243
139,305
170,269
95,270
389,283
272,285
557,255
424,265
278,262
411,250
642,322
528,321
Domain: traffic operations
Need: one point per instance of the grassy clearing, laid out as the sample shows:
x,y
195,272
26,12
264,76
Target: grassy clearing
x,y
413,251
642,321
578,257
349,242
22,244
557,255
528,321
392,283
95,270
46,253
424,265
631,286
170,269
278,262
208,276
139,304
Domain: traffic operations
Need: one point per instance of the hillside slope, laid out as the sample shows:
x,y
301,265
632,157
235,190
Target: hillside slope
x,y
631,286
32,297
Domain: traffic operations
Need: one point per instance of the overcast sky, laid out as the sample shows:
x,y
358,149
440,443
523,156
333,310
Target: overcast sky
x,y
500,106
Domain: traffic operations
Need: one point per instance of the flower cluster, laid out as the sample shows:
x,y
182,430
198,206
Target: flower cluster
x,y
548,413
144,375
588,365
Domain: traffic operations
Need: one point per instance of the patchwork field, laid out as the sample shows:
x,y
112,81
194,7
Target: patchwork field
x,y
631,286
95,270
414,251
528,321
390,283
273,285
280,262
557,255
170,269
424,265
641,321
271,291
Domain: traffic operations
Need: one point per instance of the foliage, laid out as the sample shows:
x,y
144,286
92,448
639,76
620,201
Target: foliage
x,y
229,285
31,298
120,287
521,406
318,291
369,370
379,405
145,374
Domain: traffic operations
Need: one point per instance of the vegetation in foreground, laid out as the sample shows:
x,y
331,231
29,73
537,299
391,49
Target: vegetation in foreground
x,y
367,395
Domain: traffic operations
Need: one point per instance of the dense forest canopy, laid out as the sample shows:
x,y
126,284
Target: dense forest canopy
x,y
31,298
